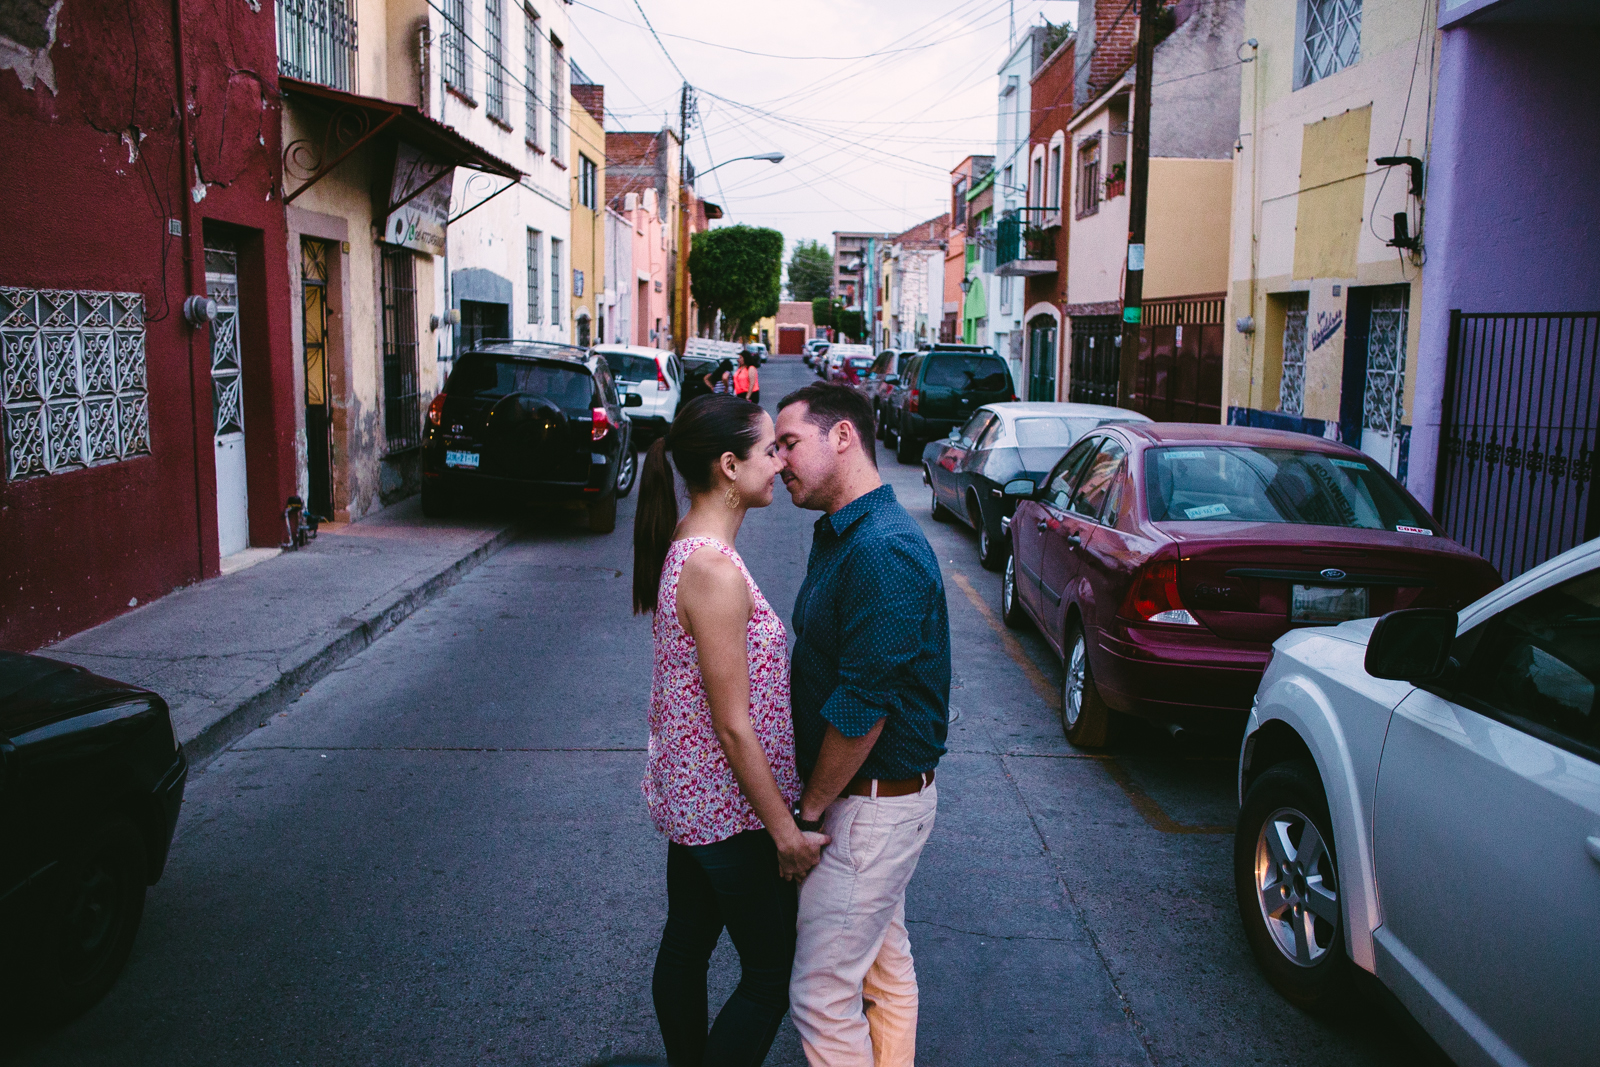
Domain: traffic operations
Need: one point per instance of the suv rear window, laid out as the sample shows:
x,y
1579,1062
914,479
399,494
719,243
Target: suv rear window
x,y
568,386
1240,484
628,367
984,374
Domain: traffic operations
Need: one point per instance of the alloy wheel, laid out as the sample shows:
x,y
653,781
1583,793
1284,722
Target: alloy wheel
x,y
626,470
983,539
1072,683
1296,886
1008,586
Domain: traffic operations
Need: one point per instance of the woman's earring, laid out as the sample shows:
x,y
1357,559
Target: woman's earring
x,y
732,497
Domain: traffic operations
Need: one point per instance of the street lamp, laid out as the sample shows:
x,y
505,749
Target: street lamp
x,y
770,157
966,286
680,318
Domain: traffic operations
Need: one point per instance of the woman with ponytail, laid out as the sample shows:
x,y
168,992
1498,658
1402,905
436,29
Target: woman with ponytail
x,y
720,778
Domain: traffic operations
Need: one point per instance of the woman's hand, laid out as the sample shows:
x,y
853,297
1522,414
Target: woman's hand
x,y
798,852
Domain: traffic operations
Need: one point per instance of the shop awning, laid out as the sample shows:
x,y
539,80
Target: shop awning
x,y
354,121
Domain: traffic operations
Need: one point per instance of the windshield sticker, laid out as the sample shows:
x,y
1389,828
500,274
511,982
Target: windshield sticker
x,y
1206,511
1350,464
1423,530
1192,453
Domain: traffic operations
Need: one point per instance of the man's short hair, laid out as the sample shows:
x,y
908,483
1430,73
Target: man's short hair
x,y
829,403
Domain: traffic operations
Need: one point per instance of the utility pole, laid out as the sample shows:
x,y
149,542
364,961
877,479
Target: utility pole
x,y
680,295
1138,199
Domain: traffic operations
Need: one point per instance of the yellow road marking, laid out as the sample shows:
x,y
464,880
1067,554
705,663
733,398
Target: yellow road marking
x,y
1142,802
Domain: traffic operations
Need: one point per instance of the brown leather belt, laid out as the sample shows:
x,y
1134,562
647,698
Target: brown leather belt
x,y
898,787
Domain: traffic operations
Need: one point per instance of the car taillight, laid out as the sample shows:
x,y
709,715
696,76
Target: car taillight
x,y
602,423
662,384
911,403
436,410
1153,597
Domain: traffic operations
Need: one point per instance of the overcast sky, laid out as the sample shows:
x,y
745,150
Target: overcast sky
x,y
869,138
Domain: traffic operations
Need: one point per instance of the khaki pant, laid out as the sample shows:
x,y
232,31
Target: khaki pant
x,y
853,993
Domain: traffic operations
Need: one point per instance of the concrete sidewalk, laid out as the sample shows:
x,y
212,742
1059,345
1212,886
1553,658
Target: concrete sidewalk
x,y
229,652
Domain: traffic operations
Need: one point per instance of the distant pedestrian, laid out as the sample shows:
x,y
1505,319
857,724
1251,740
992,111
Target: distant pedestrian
x,y
720,776
747,379
720,379
871,677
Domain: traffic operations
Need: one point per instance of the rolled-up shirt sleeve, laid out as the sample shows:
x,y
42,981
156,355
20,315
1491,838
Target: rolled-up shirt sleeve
x,y
884,604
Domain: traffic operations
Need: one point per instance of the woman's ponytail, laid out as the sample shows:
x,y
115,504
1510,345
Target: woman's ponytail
x,y
653,524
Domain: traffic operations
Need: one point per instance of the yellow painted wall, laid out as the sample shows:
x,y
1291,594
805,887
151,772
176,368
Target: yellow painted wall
x,y
1333,162
588,244
1186,227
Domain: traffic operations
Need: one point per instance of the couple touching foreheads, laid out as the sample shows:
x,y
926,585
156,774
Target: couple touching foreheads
x,y
796,794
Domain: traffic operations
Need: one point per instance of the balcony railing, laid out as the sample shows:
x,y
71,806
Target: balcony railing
x,y
1022,248
317,42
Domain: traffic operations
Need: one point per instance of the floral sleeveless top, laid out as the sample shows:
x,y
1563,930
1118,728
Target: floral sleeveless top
x,y
689,787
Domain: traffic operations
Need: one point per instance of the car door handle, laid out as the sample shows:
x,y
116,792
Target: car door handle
x,y
1594,848
1074,540
1041,526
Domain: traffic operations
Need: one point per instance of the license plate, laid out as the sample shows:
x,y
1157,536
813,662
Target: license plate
x,y
460,459
1325,603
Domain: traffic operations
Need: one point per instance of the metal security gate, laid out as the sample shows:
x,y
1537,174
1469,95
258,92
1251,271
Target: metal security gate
x,y
227,397
1521,408
1096,366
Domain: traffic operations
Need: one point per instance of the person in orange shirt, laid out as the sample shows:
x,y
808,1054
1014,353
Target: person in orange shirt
x,y
747,379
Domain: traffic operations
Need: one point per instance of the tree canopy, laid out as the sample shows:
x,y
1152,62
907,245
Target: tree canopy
x,y
736,270
810,271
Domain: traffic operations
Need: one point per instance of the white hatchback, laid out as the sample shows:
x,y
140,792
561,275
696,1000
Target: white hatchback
x,y
1420,796
655,375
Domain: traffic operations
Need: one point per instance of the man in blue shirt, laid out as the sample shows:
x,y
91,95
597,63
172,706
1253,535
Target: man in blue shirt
x,y
870,691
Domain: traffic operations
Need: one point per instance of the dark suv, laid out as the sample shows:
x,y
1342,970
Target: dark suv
x,y
938,390
537,422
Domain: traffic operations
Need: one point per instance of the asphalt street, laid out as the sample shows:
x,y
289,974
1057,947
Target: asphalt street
x,y
439,854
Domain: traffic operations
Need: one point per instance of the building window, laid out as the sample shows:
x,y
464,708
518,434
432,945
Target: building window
x,y
530,77
557,62
317,41
1053,200
402,416
555,282
583,331
453,47
534,306
1331,40
958,201
1089,177
588,182
1036,185
494,59
72,372
1292,386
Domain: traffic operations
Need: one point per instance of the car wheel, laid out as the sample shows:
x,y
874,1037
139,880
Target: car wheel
x,y
437,501
1286,879
906,449
89,932
603,515
991,550
627,470
1011,612
939,511
1084,716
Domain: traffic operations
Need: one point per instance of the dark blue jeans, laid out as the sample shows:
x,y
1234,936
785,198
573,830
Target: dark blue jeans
x,y
733,884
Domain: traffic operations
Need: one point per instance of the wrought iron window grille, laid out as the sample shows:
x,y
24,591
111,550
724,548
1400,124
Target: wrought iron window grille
x,y
317,42
494,73
453,46
402,410
1331,41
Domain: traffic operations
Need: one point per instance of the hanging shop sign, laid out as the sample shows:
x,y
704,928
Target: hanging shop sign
x,y
419,199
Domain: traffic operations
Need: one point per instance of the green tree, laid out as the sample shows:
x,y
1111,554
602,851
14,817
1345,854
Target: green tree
x,y
737,271
810,271
824,311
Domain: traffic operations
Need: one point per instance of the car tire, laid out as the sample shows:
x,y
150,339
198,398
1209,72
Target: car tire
x,y
627,470
603,514
1085,718
906,448
1011,612
992,551
437,501
939,511
1293,922
89,929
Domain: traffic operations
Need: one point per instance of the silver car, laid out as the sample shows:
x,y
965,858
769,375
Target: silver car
x,y
1420,798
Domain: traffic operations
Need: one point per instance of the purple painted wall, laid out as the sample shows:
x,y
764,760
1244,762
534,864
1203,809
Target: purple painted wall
x,y
1513,203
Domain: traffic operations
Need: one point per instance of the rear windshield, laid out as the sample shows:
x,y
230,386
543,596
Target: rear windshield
x,y
861,362
569,387
626,367
1053,430
985,374
1275,485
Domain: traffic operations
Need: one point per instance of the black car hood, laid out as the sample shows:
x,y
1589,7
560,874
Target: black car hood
x,y
35,691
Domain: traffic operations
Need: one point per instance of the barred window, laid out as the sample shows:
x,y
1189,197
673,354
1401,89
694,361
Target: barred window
x,y
72,376
494,65
1292,386
1089,177
530,77
402,411
1331,39
588,182
533,277
454,45
557,62
555,282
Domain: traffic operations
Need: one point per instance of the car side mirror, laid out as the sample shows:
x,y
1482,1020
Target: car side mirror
x,y
1020,488
632,400
955,434
1412,645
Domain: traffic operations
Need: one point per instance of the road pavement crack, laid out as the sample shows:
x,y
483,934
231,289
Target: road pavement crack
x,y
991,937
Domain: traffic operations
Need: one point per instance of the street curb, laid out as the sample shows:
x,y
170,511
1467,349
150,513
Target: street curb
x,y
311,663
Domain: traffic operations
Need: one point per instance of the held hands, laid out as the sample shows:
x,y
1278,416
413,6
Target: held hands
x,y
799,852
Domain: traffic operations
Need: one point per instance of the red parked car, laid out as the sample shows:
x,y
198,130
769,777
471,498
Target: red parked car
x,y
1161,560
